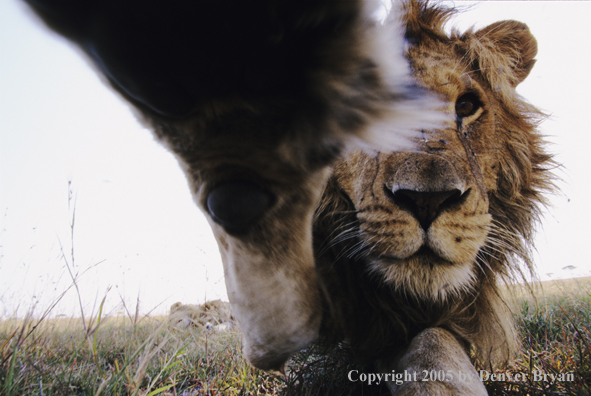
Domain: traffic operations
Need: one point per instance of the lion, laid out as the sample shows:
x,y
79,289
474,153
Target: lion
x,y
213,315
412,246
257,100
396,255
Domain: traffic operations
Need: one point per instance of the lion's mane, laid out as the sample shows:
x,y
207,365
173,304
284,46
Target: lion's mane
x,y
377,321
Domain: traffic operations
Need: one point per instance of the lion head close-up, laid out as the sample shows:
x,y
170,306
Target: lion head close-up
x,y
369,182
409,241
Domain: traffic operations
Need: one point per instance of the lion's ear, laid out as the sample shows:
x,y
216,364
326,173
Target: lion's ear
x,y
505,51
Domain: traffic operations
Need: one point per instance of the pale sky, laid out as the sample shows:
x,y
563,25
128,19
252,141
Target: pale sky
x,y
137,230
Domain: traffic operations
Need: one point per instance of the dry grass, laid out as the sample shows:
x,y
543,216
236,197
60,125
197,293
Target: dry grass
x,y
555,325
145,356
55,357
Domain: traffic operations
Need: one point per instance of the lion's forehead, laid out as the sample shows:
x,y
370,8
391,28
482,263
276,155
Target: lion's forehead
x,y
442,69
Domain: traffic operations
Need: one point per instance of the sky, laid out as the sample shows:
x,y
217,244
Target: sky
x,y
72,152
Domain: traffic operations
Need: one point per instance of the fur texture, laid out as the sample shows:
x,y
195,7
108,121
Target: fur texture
x,y
408,242
212,315
257,100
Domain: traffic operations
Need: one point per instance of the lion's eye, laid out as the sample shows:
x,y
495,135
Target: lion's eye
x,y
467,104
237,205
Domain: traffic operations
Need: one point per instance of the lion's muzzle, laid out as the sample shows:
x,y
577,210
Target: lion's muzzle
x,y
425,185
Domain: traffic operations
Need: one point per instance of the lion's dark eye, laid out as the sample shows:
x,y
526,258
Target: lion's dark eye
x,y
237,205
467,104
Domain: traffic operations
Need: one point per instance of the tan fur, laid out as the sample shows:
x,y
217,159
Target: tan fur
x,y
257,100
391,268
211,315
436,352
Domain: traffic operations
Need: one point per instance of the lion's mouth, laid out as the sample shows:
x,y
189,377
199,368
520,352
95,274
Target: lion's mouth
x,y
424,274
424,256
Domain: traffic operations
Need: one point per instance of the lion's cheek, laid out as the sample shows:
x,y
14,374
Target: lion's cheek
x,y
393,234
407,245
456,242
397,243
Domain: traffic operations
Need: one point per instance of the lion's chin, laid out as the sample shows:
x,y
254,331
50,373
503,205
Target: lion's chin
x,y
425,275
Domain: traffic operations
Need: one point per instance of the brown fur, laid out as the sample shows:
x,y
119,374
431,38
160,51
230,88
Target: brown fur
x,y
378,304
256,100
209,314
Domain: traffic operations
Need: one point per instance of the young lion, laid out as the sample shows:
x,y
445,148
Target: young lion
x,y
212,315
256,99
412,245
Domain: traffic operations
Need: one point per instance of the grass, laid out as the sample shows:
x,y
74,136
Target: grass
x,y
55,357
135,355
555,340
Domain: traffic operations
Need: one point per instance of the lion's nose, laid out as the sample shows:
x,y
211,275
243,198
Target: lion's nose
x,y
425,184
426,206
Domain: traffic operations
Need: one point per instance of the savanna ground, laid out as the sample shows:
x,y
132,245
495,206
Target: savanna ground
x,y
133,355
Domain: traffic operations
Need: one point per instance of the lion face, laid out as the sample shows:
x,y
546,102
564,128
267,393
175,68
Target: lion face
x,y
425,216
